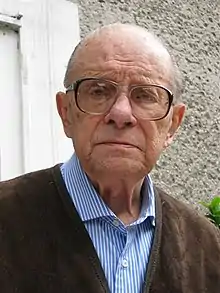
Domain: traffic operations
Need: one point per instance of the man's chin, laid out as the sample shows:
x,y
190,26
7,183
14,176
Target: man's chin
x,y
117,152
118,165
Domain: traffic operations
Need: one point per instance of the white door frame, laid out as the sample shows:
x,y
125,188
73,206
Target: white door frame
x,y
48,32
11,133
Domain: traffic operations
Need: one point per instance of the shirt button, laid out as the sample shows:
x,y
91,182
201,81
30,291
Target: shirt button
x,y
125,263
116,222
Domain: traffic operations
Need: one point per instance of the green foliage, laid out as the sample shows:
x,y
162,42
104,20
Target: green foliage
x,y
213,210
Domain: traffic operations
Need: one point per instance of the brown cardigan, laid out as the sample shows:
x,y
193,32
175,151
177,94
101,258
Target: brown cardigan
x,y
45,248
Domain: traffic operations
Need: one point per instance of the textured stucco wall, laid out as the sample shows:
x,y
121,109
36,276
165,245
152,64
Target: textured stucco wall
x,y
190,169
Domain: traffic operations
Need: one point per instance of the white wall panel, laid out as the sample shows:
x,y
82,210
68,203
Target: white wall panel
x,y
47,33
11,135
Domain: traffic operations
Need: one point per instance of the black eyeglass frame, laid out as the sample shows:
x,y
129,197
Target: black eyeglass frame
x,y
75,85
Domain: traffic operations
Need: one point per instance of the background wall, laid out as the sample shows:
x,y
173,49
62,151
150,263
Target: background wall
x,y
190,169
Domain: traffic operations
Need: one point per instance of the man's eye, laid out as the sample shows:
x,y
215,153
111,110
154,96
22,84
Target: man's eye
x,y
98,90
146,97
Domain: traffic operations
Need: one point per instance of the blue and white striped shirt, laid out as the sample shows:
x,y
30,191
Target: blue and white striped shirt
x,y
123,250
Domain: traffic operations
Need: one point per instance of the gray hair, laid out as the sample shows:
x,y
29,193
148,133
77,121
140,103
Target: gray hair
x,y
70,65
178,87
177,76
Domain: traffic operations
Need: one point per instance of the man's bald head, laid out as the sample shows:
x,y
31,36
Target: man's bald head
x,y
123,38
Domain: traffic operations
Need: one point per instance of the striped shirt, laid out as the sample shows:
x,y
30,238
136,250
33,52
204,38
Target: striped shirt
x,y
123,250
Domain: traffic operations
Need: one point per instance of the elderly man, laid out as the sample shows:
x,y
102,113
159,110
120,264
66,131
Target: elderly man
x,y
97,223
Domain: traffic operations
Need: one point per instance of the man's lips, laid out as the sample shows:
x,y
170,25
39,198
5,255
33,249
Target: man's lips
x,y
119,143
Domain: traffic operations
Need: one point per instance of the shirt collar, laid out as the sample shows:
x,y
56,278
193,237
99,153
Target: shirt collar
x,y
88,202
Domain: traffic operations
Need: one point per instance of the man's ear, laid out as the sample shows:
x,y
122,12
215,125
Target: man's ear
x,y
178,114
63,108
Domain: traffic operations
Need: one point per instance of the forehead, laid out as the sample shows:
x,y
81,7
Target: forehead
x,y
123,56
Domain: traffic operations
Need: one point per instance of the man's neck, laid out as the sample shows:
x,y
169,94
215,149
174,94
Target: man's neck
x,y
122,197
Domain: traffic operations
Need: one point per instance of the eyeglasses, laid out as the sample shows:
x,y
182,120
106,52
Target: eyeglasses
x,y
97,96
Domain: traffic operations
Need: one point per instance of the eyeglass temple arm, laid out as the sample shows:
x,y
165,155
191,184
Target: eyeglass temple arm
x,y
71,87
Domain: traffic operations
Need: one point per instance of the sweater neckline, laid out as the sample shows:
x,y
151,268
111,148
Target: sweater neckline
x,y
81,235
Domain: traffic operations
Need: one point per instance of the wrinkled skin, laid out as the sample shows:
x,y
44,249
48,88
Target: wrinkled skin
x,y
117,150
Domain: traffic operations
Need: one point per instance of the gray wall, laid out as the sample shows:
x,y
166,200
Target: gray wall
x,y
190,169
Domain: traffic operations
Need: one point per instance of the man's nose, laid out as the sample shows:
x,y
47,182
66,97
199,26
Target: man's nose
x,y
120,113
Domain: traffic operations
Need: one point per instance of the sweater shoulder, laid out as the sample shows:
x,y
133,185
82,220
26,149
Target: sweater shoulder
x,y
28,194
27,183
186,217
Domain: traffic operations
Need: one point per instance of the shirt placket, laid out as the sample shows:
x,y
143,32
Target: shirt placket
x,y
123,275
